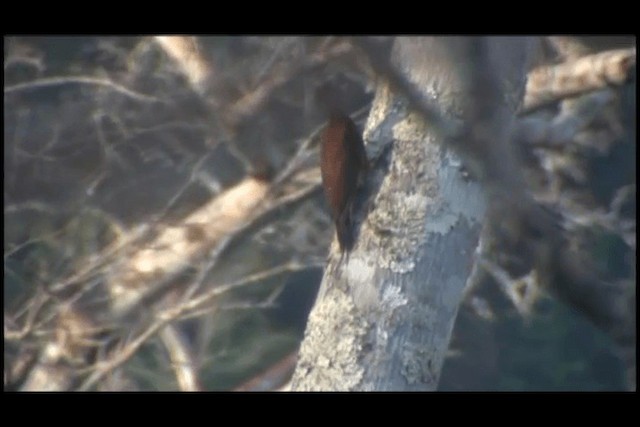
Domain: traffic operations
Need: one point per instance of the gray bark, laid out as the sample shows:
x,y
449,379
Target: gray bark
x,y
384,315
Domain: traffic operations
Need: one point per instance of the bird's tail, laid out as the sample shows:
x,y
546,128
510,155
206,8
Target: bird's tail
x,y
344,229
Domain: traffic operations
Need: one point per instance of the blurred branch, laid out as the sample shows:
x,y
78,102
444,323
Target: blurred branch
x,y
70,347
205,233
562,129
523,291
90,81
180,310
182,360
149,269
32,308
185,51
252,102
554,82
177,246
273,378
200,72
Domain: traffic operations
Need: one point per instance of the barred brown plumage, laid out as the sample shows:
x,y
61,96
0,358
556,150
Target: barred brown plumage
x,y
342,162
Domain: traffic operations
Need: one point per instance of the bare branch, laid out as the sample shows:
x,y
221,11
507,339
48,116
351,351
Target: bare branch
x,y
551,83
177,246
178,311
79,80
523,291
274,377
181,359
252,102
185,51
563,129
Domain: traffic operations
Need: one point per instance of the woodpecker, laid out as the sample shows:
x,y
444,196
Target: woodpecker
x,y
343,163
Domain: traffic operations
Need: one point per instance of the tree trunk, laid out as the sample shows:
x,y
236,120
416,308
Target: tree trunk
x,y
384,315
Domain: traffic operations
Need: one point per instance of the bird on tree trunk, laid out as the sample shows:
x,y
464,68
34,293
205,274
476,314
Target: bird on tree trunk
x,y
343,164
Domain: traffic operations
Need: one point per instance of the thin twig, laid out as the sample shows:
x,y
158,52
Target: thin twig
x,y
80,80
